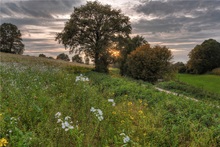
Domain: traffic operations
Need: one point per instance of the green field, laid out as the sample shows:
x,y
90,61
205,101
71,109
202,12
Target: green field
x,y
206,82
49,103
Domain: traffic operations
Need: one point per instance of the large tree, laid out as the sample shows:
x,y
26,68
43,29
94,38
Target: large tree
x,y
204,57
92,28
10,39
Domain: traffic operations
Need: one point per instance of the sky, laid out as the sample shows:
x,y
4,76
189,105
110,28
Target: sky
x,y
178,24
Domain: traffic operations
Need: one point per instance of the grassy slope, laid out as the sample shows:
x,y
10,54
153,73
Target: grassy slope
x,y
207,82
33,92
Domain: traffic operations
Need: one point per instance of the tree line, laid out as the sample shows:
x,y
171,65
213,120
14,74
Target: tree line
x,y
99,30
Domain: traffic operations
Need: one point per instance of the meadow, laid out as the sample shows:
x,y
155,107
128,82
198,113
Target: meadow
x,y
53,103
206,82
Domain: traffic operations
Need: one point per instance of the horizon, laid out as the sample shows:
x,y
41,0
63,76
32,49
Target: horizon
x,y
178,25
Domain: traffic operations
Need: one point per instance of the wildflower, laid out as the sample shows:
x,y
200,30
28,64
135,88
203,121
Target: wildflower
x,y
126,138
67,117
129,103
114,112
140,112
112,101
140,101
92,109
98,113
57,115
3,142
82,78
59,120
66,126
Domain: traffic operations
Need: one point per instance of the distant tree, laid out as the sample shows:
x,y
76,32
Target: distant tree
x,y
63,57
42,55
92,28
50,58
10,39
149,64
77,58
127,45
180,67
204,57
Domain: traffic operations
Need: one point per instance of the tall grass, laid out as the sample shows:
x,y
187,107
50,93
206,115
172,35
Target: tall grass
x,y
44,105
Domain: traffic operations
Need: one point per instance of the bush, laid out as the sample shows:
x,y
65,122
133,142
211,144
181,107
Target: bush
x,y
216,71
149,64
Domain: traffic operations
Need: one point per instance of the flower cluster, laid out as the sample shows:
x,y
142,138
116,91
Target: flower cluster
x,y
98,113
81,78
126,138
111,101
3,142
66,123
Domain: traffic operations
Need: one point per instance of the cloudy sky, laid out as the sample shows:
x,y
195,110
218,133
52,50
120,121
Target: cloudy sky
x,y
178,24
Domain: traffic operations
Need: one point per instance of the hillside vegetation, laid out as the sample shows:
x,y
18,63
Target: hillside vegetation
x,y
54,103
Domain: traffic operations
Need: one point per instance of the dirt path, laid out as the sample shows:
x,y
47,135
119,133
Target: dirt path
x,y
177,94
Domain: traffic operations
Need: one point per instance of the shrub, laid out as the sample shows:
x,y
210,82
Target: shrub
x,y
216,71
149,64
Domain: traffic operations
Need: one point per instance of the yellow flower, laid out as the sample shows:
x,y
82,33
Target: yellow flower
x,y
129,103
131,117
140,101
114,112
3,142
140,112
122,121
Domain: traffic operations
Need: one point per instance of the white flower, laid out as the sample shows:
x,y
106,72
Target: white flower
x,y
112,101
92,109
67,117
57,115
98,113
126,139
82,78
59,120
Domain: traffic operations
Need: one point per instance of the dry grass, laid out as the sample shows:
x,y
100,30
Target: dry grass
x,y
27,60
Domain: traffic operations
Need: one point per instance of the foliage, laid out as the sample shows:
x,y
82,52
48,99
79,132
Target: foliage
x,y
204,57
126,46
180,67
53,106
92,28
216,71
63,56
10,39
149,64
77,58
42,55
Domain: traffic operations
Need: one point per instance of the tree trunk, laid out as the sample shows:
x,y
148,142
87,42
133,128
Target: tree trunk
x,y
101,63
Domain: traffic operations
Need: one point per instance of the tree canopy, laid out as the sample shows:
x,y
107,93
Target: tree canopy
x,y
77,58
126,46
149,64
92,28
10,39
204,57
